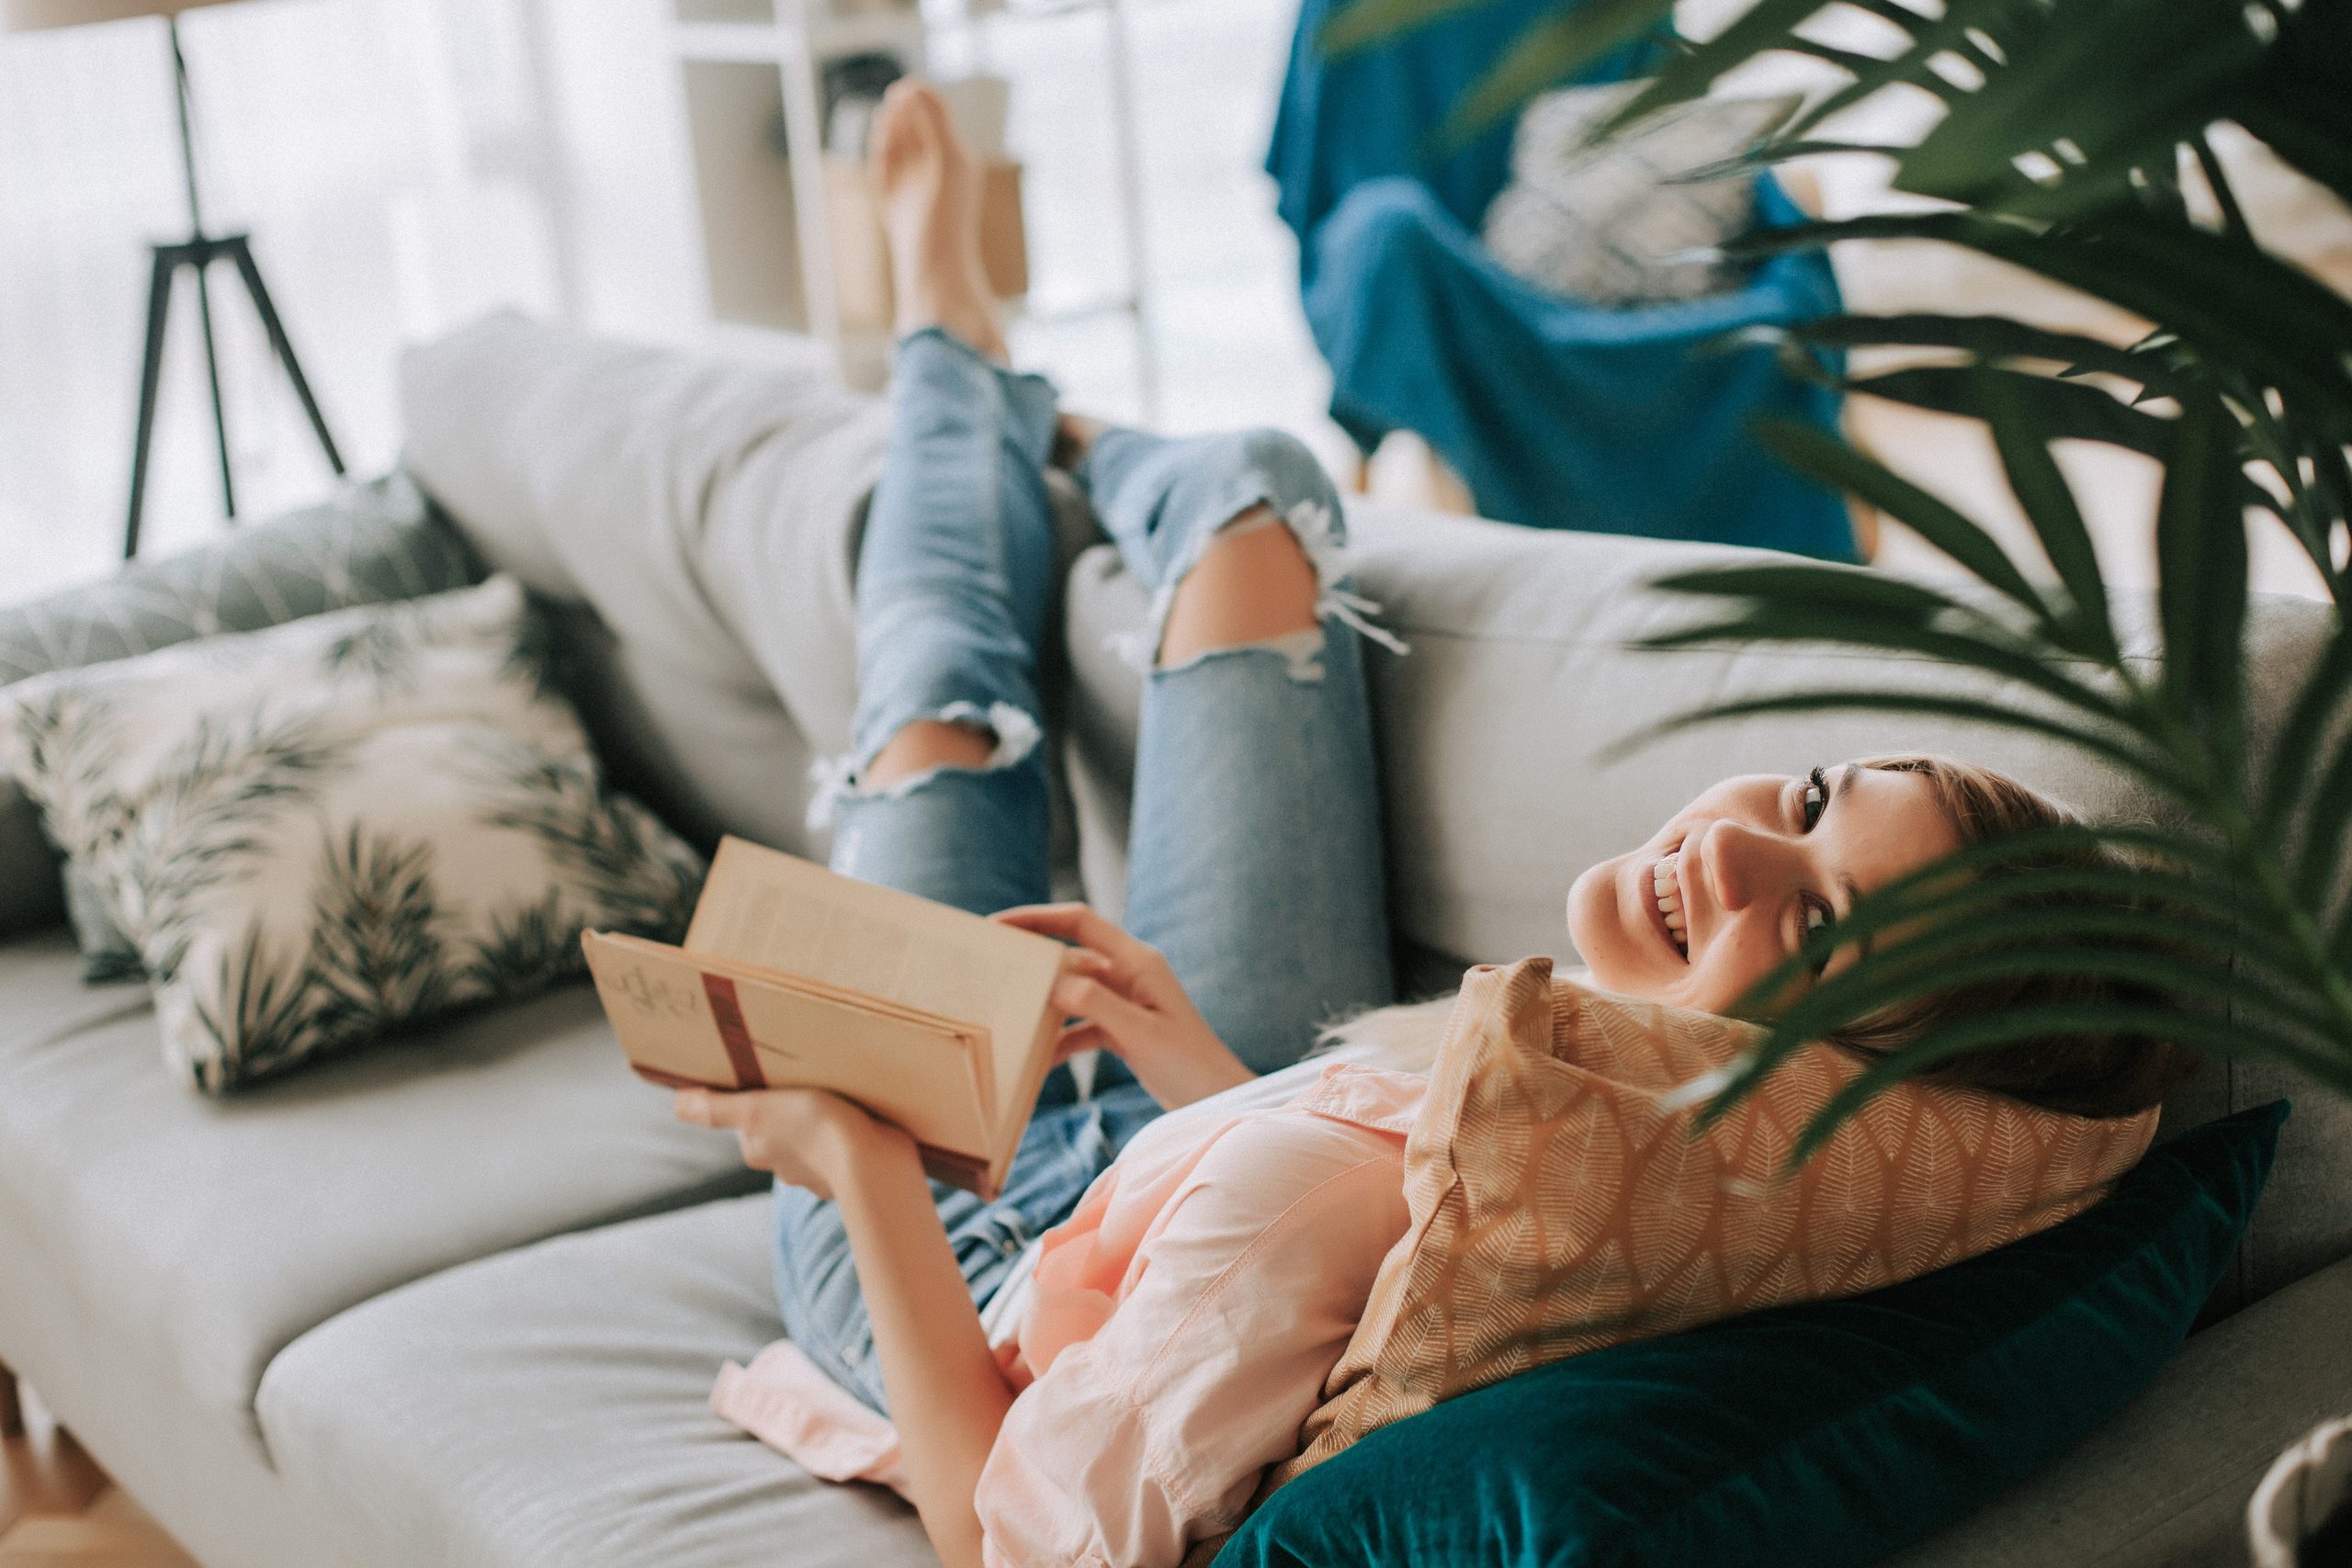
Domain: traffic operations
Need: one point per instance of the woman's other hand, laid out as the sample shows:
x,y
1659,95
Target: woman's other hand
x,y
807,1137
1120,995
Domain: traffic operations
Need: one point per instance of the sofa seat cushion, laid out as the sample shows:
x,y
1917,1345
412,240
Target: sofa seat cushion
x,y
212,1233
552,1407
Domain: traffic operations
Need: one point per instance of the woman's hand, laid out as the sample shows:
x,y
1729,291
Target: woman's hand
x,y
1123,997
807,1137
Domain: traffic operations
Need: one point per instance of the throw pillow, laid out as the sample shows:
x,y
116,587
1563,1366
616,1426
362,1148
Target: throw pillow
x,y
1810,1436
1619,222
320,832
1562,1199
371,542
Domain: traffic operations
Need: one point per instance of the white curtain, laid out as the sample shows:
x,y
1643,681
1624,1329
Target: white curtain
x,y
402,164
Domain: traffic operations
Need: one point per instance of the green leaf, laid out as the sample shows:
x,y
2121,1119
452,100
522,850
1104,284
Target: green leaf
x,y
2306,725
2297,102
1858,627
1954,901
1545,53
1823,456
2201,595
1912,66
2211,1036
1767,25
2061,410
2157,771
2263,317
2048,505
2120,83
1989,338
1364,24
1818,585
2320,860
2023,943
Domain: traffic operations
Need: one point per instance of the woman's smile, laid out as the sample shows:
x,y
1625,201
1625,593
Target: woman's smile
x,y
1739,879
1657,891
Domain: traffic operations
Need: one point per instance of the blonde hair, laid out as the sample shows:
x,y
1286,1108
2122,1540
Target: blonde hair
x,y
2086,1074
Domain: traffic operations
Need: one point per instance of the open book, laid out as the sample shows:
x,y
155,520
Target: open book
x,y
792,975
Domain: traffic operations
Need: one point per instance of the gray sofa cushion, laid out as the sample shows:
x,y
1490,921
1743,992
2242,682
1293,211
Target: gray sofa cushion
x,y
210,1234
551,1407
372,542
607,472
1491,732
709,507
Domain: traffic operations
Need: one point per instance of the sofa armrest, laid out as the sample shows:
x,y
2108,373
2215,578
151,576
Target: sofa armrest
x,y
2164,1485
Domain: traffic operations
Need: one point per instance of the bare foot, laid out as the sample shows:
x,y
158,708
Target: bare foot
x,y
928,191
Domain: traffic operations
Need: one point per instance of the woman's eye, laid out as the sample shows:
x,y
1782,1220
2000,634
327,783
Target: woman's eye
x,y
1817,799
1816,920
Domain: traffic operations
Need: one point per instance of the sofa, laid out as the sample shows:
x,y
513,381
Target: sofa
x,y
460,1300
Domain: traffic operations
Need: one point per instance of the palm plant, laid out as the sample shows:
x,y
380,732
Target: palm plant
x,y
2064,129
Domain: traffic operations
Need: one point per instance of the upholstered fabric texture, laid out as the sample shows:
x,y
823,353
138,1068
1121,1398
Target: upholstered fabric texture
x,y
318,833
1563,1200
372,542
1620,222
1810,1436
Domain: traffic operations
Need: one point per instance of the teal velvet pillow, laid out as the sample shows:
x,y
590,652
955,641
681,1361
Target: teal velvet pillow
x,y
1818,1435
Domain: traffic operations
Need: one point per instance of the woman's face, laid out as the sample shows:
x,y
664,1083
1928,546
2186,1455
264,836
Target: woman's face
x,y
1735,880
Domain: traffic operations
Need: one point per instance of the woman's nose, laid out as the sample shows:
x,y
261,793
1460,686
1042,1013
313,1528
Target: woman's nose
x,y
1741,864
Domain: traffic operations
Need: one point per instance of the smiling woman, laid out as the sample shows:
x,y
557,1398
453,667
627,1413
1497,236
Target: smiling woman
x,y
1736,881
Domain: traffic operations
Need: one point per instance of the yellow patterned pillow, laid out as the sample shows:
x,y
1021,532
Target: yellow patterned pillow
x,y
1558,1207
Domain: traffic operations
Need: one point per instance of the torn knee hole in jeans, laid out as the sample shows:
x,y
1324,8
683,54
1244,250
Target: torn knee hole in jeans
x,y
840,778
1315,525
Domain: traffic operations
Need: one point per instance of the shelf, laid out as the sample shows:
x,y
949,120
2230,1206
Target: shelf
x,y
736,43
766,43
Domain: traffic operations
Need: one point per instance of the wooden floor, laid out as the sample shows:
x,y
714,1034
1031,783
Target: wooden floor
x,y
57,1510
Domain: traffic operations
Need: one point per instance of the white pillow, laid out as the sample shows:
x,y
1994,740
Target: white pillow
x,y
1610,223
320,832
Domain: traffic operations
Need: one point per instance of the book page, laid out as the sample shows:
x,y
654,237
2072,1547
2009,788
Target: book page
x,y
916,1071
766,908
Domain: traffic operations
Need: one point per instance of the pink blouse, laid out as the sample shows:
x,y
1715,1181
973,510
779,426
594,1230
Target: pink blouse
x,y
1176,1333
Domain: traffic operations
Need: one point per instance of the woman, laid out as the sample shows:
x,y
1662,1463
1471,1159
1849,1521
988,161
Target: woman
x,y
1119,1429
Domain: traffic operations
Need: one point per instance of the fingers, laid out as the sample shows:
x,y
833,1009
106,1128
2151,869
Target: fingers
x,y
1090,1000
1078,1037
1081,923
704,1108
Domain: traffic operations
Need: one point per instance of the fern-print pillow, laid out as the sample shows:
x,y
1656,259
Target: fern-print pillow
x,y
320,833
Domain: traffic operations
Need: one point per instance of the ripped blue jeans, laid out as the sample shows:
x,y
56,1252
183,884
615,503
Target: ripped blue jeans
x,y
1254,851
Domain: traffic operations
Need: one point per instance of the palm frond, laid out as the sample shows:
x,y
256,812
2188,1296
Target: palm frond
x,y
1549,51
2233,304
2136,761
525,950
2200,556
2049,504
2211,1036
2062,141
632,873
378,954
255,1012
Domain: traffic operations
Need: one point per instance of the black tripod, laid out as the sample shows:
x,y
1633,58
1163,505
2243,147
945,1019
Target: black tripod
x,y
197,253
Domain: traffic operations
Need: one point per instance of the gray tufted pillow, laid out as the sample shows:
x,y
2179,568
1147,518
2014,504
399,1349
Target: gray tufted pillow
x,y
370,543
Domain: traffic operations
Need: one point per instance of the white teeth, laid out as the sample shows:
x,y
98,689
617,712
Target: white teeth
x,y
1665,882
